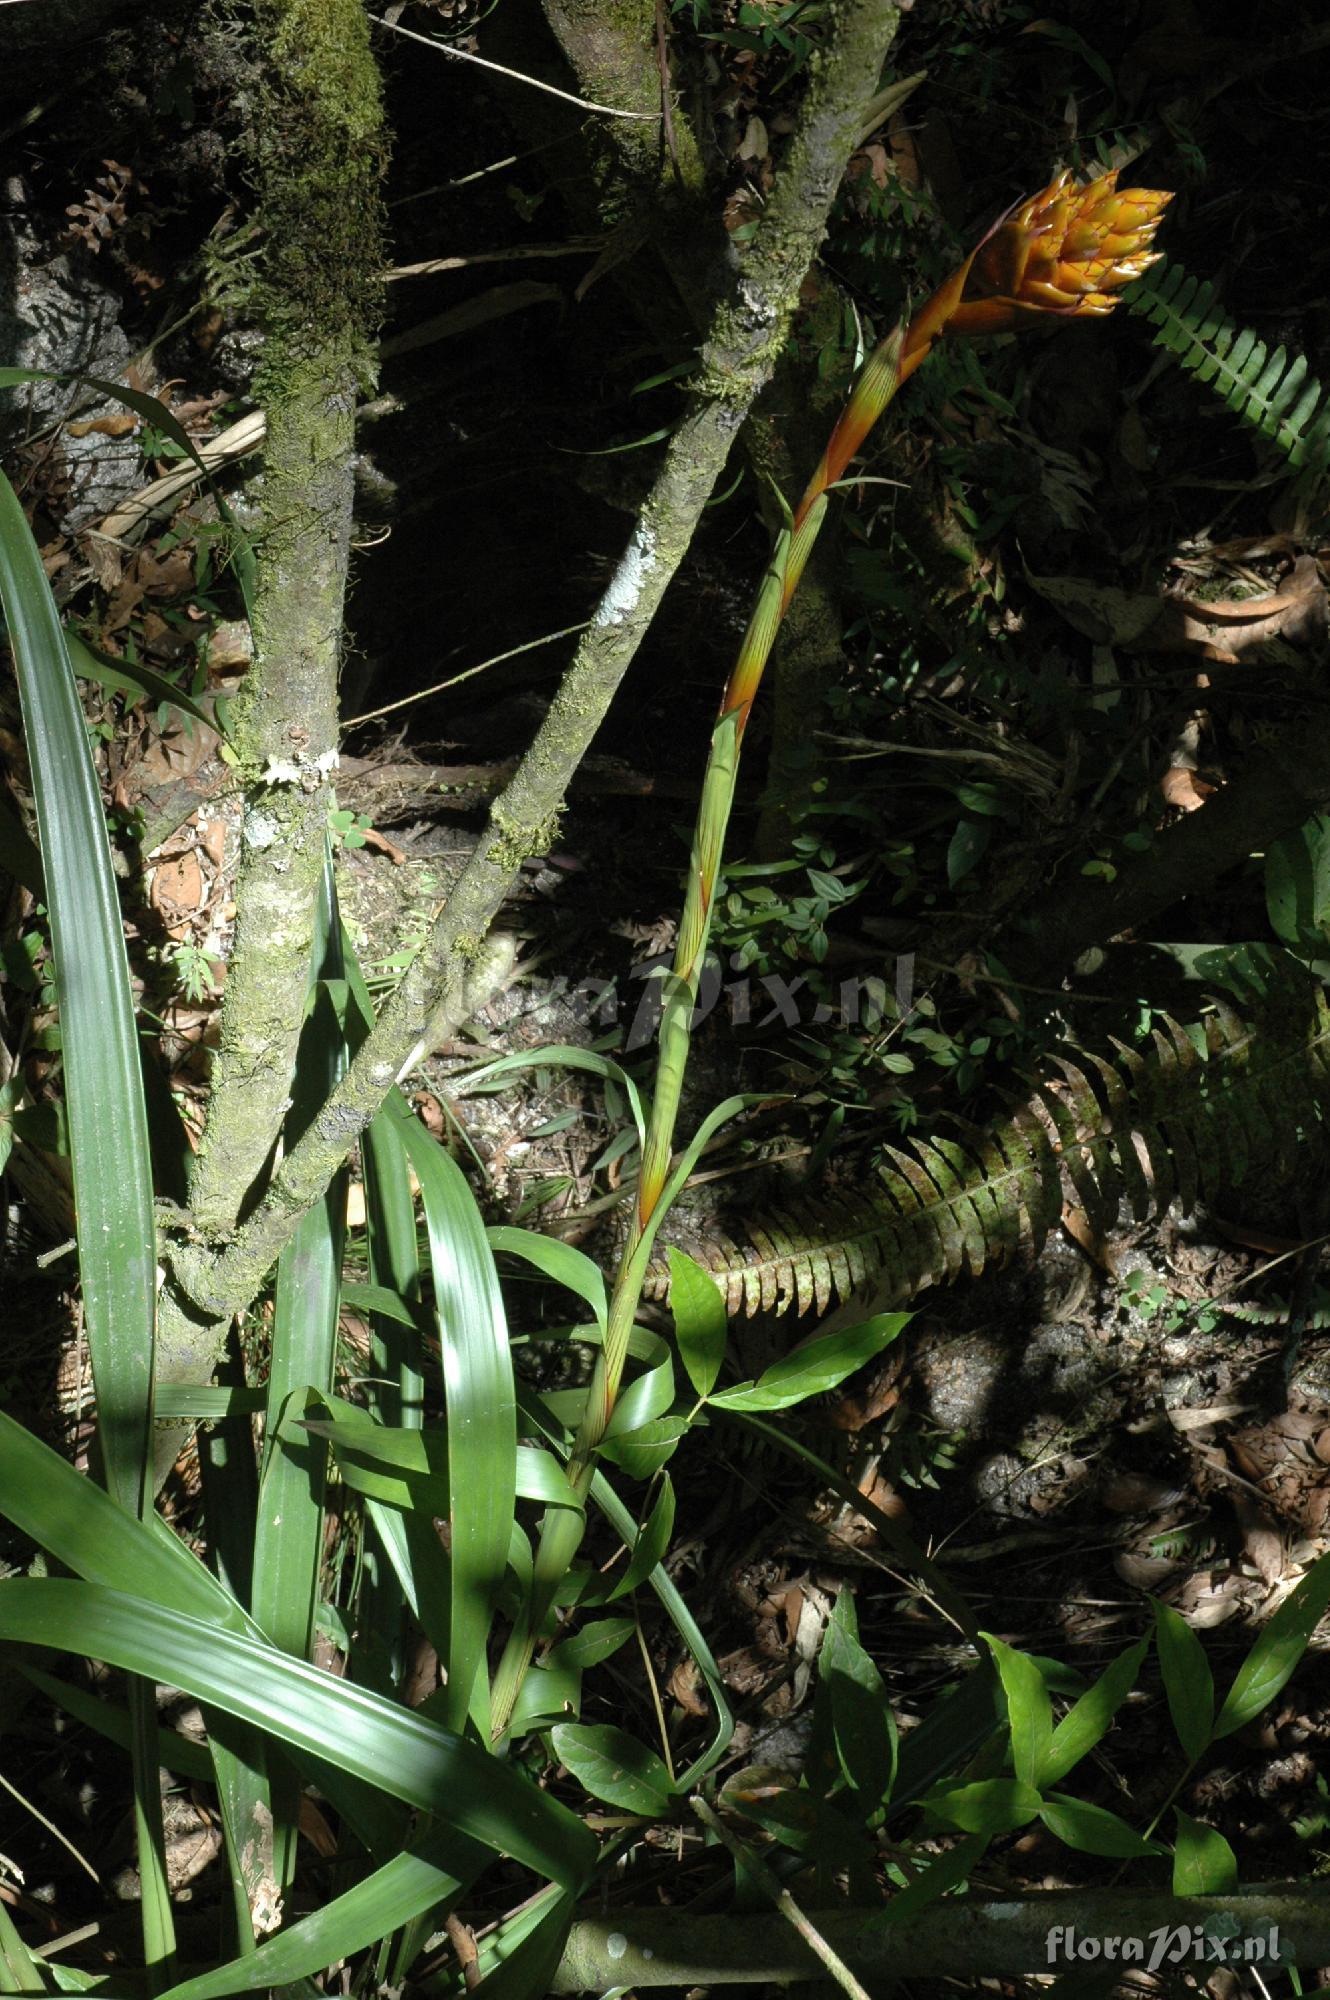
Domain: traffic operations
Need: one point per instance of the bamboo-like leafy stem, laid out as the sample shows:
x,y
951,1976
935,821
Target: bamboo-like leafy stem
x,y
1065,251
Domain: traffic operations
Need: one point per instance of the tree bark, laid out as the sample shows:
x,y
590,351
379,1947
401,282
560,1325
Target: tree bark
x,y
318,158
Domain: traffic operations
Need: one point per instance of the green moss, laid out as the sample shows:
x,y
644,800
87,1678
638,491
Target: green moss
x,y
512,844
738,358
319,159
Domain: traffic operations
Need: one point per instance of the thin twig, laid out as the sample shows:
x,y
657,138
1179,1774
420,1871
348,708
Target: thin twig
x,y
64,1943
50,1826
654,1685
464,180
528,646
782,1898
64,1249
582,246
466,55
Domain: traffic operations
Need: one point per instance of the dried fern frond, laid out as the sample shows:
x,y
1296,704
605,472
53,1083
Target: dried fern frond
x,y
1274,394
1276,1311
1197,1113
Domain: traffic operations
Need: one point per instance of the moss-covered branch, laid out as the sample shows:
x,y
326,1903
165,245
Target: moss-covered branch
x,y
315,128
606,49
957,1937
746,333
317,163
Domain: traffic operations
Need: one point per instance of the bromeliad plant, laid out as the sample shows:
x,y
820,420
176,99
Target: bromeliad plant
x,y
424,1809
1062,254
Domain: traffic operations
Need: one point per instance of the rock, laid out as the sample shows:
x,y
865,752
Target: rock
x,y
57,313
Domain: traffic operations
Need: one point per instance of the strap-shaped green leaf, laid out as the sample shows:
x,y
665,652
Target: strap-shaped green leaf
x,y
373,1739
108,1129
428,1875
479,1400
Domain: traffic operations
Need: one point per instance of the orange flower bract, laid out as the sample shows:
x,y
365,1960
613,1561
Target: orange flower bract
x,y
1062,254
1065,251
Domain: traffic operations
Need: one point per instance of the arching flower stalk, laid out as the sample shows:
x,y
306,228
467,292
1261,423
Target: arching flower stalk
x,y
1063,254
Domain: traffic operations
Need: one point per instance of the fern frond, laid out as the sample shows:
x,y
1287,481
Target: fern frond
x,y
1267,390
1277,1311
1197,1113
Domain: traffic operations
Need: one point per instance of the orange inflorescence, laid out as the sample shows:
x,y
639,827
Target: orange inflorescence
x,y
1061,254
1065,251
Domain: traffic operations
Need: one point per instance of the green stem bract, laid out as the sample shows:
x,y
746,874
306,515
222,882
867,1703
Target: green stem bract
x,y
561,1532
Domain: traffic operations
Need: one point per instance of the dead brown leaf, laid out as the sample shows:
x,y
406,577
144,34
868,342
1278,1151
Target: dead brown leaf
x,y
177,754
1262,1542
868,1400
685,1687
755,145
871,163
382,845
430,1113
117,426
904,152
1124,1491
212,838
1185,790
1223,630
1295,613
230,649
177,892
105,560
1286,1459
316,1829
1206,1601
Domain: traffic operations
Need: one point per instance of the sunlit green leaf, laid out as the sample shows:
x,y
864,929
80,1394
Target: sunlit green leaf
x,y
479,1402
564,1263
375,1740
815,1366
429,1874
1203,1862
1273,1660
615,1767
700,1323
862,1726
108,1131
129,677
988,1805
947,1871
653,1539
1188,1682
594,1642
1029,1710
559,1057
1092,1829
1088,1720
645,1451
